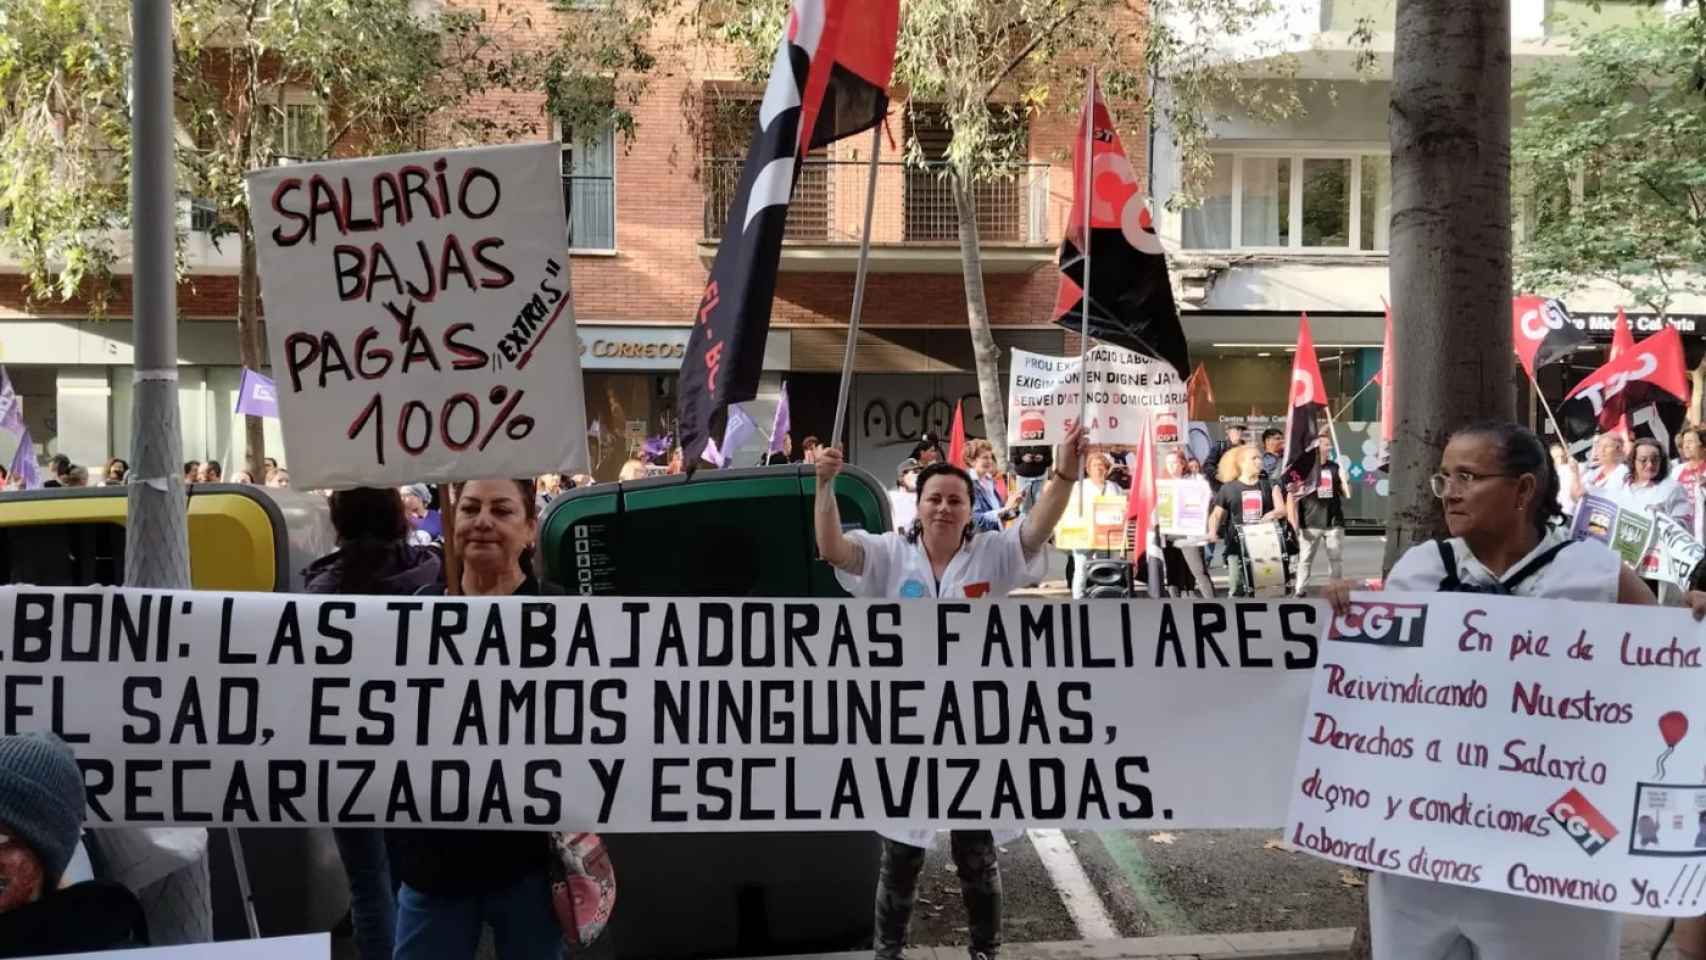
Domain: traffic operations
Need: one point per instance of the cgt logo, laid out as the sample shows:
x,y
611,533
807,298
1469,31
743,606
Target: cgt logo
x,y
1384,624
1582,822
1538,321
1032,425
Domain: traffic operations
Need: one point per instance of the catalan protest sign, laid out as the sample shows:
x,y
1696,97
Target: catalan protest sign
x,y
656,715
1521,746
1092,523
1125,388
1184,506
1654,544
419,317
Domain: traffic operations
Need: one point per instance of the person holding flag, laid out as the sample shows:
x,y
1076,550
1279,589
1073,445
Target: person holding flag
x,y
1318,513
942,557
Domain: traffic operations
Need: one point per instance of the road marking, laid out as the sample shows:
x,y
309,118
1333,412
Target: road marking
x,y
1073,884
1166,915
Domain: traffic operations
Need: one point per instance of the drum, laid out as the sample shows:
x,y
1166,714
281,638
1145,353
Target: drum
x,y
1264,557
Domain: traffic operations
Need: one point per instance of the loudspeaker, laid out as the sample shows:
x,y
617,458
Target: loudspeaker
x,y
1107,578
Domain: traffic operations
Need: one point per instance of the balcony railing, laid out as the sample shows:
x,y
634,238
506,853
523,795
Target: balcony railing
x,y
915,205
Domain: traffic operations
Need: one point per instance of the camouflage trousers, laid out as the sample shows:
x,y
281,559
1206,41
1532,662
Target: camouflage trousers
x,y
980,888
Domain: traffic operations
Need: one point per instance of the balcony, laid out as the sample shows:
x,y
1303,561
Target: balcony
x,y
914,227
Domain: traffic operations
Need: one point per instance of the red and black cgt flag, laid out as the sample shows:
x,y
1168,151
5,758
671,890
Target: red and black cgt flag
x,y
1131,300
1543,332
1645,385
1303,415
830,80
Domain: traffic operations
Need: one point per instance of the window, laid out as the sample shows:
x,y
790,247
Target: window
x,y
1293,200
589,186
304,133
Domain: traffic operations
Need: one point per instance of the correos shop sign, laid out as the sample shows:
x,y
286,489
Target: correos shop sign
x,y
655,348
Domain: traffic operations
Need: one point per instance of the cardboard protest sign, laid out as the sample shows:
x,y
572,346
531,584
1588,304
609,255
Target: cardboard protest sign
x,y
1100,525
1184,507
1528,747
662,715
1629,538
308,946
1125,387
1674,552
1596,516
419,316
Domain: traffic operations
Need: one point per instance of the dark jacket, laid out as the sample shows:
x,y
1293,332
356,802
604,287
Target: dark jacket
x,y
88,917
463,863
384,569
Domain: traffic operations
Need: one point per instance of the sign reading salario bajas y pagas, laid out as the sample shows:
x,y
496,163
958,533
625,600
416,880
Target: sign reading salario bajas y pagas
x,y
1529,747
648,715
419,316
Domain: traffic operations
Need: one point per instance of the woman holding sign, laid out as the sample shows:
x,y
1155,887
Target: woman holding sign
x,y
1500,493
941,557
454,882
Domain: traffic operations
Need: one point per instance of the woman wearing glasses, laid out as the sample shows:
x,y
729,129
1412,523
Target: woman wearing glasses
x,y
1651,488
1499,492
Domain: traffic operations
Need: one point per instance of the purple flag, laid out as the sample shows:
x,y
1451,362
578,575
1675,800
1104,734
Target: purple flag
x,y
22,465
257,396
780,426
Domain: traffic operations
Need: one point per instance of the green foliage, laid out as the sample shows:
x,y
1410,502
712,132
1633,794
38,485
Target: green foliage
x,y
1612,165
359,76
606,58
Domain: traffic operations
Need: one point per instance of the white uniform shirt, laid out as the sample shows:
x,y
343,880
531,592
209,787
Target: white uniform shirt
x,y
1667,497
988,566
1584,570
1596,477
903,507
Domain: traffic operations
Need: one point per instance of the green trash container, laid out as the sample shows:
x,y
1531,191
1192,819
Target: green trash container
x,y
725,533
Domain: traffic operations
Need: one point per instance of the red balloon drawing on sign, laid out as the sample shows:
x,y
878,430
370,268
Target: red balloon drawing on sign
x,y
1673,726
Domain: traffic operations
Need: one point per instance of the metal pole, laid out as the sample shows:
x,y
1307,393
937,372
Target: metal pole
x,y
157,553
858,287
1084,192
1353,398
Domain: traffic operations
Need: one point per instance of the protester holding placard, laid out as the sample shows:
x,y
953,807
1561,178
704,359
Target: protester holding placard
x,y
374,557
1245,497
941,557
1650,488
1499,492
1085,493
456,881
1607,469
1318,513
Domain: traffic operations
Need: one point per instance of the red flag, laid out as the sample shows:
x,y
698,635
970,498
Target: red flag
x,y
1308,404
1658,360
1131,299
1140,501
1388,391
1614,416
1542,332
957,437
1201,395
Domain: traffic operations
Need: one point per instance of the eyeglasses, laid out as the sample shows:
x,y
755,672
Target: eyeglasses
x,y
1440,483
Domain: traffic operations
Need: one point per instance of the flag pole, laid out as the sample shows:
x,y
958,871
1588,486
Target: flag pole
x,y
1551,417
1354,397
858,287
1084,255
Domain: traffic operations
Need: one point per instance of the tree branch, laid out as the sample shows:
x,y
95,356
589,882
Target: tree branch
x,y
1031,47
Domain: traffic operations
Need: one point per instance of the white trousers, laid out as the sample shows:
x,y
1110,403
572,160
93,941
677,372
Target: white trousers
x,y
1412,919
1311,543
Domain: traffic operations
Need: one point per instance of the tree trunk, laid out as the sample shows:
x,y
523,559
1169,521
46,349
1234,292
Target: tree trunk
x,y
251,348
1451,241
984,350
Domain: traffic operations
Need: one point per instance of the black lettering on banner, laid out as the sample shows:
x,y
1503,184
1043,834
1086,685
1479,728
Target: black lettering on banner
x,y
724,810
660,790
1006,793
723,614
1091,792
553,809
227,656
897,806
1145,807
181,813
1082,733
281,794
749,812
1168,636
128,695
986,715
750,656
634,609
667,706
865,708
97,783
671,638
387,732
94,605
403,610
609,781
538,635
472,716
450,801
554,689
968,769
423,687
996,634
899,712
949,712
1304,637
1246,633
189,715
846,792
944,636
449,621
1055,807
288,635
1066,654
319,710
492,640
136,791
401,806
775,725
1033,721
875,615
496,796
127,631
1089,659
842,640
341,654
790,809
800,622
32,630
229,733
517,699
239,805
584,642
617,717
1210,619
364,772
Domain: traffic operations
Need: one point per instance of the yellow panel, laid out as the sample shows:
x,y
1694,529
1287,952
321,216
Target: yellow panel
x,y
232,543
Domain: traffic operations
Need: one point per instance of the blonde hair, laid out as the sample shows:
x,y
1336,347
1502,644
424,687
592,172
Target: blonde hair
x,y
977,448
632,470
1232,462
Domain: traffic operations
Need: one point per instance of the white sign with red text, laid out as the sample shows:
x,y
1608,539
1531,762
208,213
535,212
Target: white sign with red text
x,y
419,316
1543,750
1124,388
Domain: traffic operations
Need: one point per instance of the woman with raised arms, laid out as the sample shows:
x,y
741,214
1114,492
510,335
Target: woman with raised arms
x,y
942,557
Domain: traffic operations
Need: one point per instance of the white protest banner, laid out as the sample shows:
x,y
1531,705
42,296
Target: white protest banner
x,y
1184,506
308,946
1529,747
1125,387
419,316
1673,553
655,715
